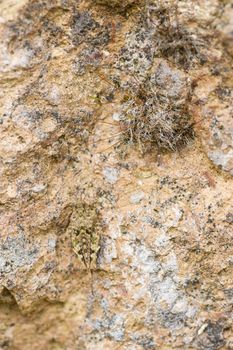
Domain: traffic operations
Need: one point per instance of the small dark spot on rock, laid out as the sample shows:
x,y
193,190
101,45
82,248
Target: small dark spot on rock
x,y
82,24
229,218
212,337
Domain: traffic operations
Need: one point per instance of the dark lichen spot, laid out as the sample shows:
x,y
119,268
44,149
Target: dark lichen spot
x,y
212,338
229,218
170,320
82,23
146,342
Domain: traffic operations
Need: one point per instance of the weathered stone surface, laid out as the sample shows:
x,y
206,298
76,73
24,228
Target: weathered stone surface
x,y
163,274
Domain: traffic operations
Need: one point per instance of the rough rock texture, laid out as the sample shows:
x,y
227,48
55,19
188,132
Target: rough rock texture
x,y
73,74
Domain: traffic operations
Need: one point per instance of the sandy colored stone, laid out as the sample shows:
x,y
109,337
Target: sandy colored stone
x,y
163,274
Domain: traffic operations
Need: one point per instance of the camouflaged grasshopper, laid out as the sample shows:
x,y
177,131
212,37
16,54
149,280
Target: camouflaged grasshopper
x,y
85,232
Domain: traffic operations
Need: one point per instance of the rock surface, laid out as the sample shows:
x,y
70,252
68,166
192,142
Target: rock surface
x,y
70,72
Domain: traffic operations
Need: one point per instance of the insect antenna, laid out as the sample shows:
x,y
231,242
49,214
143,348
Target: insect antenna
x,y
112,136
114,144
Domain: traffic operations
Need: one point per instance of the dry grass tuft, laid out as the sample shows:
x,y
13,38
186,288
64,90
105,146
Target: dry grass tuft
x,y
173,40
153,119
116,4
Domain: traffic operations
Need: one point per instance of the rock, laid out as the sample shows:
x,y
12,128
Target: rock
x,y
77,184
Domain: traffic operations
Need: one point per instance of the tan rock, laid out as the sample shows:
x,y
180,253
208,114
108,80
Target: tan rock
x,y
70,73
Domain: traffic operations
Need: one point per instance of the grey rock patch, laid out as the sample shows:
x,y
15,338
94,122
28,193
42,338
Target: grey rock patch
x,y
17,252
137,197
111,174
